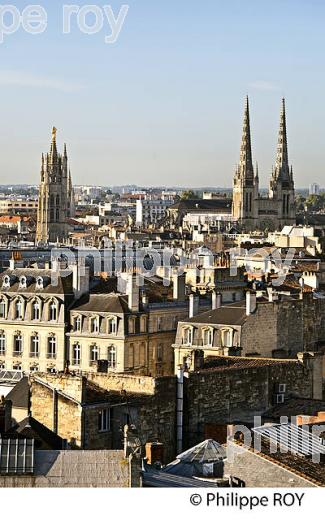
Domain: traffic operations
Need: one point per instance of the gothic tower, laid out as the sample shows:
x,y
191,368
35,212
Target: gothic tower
x,y
282,189
246,182
55,203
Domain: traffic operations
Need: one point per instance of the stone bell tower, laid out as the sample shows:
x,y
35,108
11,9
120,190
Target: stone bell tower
x,y
55,203
246,182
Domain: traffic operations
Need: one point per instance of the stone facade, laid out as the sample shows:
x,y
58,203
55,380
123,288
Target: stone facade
x,y
250,209
56,198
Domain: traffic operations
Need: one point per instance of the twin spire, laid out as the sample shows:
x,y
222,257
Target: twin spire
x,y
282,170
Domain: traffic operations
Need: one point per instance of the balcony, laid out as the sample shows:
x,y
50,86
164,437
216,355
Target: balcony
x,y
76,362
17,353
34,354
51,355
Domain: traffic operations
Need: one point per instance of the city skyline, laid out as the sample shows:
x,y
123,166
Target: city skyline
x,y
134,113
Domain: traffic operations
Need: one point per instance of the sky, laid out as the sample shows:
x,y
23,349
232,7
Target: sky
x,y
163,105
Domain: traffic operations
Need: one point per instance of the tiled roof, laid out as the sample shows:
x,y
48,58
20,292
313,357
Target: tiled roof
x,y
114,303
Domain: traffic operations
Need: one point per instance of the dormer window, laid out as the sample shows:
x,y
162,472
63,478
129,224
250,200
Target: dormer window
x,y
36,310
19,310
112,325
187,336
78,324
53,311
94,325
23,282
207,337
227,337
6,282
39,283
3,309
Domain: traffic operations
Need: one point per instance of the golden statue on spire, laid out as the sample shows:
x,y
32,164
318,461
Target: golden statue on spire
x,y
54,130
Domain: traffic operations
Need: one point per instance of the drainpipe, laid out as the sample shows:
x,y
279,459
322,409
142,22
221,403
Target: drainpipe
x,y
179,408
55,411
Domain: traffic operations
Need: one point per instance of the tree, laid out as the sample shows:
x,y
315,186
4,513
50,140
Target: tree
x,y
189,195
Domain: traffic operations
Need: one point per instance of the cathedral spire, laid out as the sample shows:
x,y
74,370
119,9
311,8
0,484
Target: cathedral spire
x,y
246,169
53,152
282,170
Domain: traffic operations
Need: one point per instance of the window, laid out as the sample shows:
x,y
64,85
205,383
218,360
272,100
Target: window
x,y
76,354
227,338
19,310
143,324
39,283
34,368
159,353
104,420
16,366
78,324
112,326
51,347
187,338
3,308
36,311
2,343
132,325
53,311
23,282
94,354
112,357
6,281
2,366
131,356
159,323
94,325
34,347
18,344
207,337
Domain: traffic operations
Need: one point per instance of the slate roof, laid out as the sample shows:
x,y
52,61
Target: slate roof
x,y
30,428
222,204
295,406
111,303
63,285
233,314
19,395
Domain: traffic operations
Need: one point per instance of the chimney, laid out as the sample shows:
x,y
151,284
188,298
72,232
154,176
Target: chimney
x,y
194,302
250,303
80,278
128,283
178,286
216,300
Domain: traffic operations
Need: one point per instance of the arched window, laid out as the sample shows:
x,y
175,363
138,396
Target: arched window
x,y
6,281
19,310
112,356
2,343
34,347
53,308
22,282
36,310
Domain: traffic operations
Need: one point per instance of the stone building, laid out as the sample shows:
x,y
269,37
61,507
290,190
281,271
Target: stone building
x,y
248,209
124,332
56,198
34,305
251,209
90,412
273,328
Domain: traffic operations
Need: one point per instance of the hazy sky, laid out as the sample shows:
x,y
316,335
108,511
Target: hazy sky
x,y
164,104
